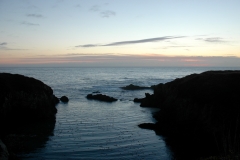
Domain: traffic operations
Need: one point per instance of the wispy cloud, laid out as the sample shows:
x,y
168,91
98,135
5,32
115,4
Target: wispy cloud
x,y
4,46
35,15
102,13
3,43
108,13
95,8
212,39
134,41
78,6
169,47
57,3
88,45
29,23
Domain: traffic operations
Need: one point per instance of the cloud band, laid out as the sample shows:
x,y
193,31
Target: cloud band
x,y
133,42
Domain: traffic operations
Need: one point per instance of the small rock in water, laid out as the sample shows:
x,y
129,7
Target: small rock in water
x,y
134,87
64,99
101,97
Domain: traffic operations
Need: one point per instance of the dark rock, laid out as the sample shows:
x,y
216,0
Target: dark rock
x,y
138,100
200,110
64,99
96,92
148,101
25,99
56,100
4,155
101,97
151,126
134,87
25,104
28,137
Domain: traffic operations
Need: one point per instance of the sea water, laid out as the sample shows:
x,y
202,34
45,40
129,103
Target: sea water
x,y
89,129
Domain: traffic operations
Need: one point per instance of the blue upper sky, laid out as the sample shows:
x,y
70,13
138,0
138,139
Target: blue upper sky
x,y
120,32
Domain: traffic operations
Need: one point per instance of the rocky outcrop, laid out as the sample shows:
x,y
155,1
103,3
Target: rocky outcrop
x,y
134,87
148,101
64,99
101,97
25,103
25,99
203,109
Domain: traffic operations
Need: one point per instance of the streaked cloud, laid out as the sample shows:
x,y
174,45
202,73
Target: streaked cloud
x,y
57,3
103,13
29,23
4,46
95,8
175,46
35,15
108,13
3,43
212,39
133,42
88,45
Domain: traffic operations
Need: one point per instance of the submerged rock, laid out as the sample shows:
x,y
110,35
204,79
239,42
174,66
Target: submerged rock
x,y
134,87
64,99
101,97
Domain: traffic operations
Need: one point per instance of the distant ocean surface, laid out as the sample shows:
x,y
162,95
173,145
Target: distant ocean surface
x,y
89,129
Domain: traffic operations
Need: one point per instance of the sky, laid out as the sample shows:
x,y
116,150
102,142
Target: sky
x,y
120,33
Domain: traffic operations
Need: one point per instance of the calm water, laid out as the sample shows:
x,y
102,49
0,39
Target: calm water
x,y
88,129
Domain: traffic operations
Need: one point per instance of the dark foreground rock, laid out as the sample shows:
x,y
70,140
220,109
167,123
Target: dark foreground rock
x,y
201,111
4,155
101,97
24,101
134,87
148,101
64,99
147,126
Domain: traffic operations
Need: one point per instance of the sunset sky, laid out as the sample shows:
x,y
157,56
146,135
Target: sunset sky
x,y
119,33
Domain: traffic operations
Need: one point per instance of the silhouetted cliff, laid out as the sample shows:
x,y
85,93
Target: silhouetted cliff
x,y
25,99
203,109
26,104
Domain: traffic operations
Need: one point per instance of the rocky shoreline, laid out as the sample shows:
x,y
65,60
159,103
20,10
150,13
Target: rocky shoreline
x,y
27,108
199,114
201,111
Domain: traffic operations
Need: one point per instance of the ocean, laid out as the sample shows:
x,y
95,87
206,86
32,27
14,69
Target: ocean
x,y
89,129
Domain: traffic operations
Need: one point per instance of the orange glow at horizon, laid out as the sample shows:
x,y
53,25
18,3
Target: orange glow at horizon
x,y
125,59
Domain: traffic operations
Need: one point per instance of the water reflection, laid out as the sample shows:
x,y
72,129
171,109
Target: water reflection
x,y
28,137
184,147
